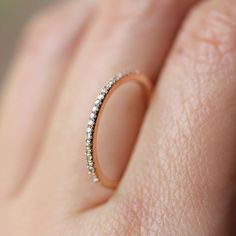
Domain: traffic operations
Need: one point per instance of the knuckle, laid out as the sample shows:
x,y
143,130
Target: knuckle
x,y
133,11
39,33
207,49
213,24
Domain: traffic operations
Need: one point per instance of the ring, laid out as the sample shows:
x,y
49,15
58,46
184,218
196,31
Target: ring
x,y
93,166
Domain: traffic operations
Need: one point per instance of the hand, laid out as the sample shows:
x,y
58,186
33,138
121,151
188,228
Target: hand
x,y
181,176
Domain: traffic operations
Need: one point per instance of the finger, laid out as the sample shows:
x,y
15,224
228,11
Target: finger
x,y
183,169
136,39
32,85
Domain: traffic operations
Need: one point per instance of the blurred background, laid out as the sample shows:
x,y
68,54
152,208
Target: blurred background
x,y
13,15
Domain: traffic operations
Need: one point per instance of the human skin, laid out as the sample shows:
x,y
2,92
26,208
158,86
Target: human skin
x,y
180,179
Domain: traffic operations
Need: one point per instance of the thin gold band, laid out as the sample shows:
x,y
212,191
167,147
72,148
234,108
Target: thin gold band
x,y
118,80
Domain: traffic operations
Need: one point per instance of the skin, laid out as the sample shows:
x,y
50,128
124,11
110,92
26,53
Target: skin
x,y
180,179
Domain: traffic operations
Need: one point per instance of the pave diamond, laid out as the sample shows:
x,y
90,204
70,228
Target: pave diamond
x,y
92,123
89,136
95,109
101,97
97,102
92,116
89,130
104,91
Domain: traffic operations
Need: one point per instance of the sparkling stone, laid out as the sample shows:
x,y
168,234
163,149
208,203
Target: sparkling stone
x,y
101,97
92,116
104,91
95,109
88,145
107,87
90,122
88,152
88,141
89,156
89,130
95,179
89,149
89,136
97,102
90,163
90,168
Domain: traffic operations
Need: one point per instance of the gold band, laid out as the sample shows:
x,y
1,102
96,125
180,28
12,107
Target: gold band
x,y
118,80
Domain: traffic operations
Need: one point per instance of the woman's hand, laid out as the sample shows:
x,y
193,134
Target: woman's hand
x,y
181,176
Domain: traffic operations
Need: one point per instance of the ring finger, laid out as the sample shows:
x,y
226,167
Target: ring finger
x,y
119,40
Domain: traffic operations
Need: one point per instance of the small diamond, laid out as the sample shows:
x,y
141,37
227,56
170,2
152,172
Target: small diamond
x,y
90,163
89,158
101,97
119,76
88,141
104,91
92,115
88,150
90,122
95,179
89,136
107,87
88,145
90,168
95,109
89,130
97,102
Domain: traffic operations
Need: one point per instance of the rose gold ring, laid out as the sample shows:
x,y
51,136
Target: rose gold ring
x,y
93,165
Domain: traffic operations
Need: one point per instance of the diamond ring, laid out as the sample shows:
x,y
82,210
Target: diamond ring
x,y
93,165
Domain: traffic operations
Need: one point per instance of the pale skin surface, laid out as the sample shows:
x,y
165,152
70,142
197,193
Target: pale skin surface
x,y
181,176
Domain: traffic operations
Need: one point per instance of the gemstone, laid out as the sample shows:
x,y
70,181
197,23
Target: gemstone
x,y
88,141
104,91
107,87
88,145
92,115
91,168
90,163
90,122
95,109
95,179
97,102
88,152
101,97
89,130
89,136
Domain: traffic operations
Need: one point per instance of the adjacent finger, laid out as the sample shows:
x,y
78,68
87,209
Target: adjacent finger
x,y
182,175
32,85
119,40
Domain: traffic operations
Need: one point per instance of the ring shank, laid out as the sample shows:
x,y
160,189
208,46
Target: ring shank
x,y
146,86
